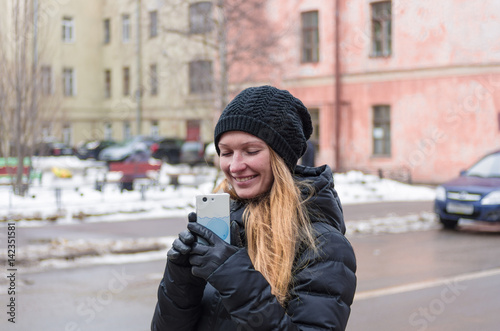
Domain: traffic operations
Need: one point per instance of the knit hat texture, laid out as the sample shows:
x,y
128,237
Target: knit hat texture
x,y
271,114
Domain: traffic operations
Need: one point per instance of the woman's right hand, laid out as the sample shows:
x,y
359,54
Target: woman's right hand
x,y
181,247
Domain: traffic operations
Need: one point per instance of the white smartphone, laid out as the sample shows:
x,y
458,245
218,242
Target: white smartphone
x,y
212,211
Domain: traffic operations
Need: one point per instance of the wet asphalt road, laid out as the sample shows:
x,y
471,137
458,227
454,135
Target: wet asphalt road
x,y
427,280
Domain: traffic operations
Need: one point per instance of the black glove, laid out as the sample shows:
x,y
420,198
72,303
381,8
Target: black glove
x,y
178,283
205,259
179,252
178,270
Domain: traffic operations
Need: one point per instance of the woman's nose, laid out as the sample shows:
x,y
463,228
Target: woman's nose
x,y
237,163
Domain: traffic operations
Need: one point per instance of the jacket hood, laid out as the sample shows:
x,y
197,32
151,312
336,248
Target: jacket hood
x,y
324,203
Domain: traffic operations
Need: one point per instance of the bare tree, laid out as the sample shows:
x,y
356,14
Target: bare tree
x,y
238,36
20,95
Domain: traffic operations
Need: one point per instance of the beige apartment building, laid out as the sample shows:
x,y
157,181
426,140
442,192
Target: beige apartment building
x,y
118,68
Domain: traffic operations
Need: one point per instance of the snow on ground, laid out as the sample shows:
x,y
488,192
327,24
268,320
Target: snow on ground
x,y
79,199
73,200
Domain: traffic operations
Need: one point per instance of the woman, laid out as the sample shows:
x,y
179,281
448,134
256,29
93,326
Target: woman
x,y
289,266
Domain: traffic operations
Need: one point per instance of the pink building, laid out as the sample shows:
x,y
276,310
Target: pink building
x,y
418,82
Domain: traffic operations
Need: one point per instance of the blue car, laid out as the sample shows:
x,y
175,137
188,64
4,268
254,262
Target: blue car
x,y
474,195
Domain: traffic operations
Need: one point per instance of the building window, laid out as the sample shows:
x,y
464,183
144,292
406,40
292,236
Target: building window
x,y
107,83
200,17
127,130
66,133
381,28
46,80
155,129
69,82
382,130
108,131
125,28
310,36
153,24
107,31
126,81
316,127
200,77
153,77
68,30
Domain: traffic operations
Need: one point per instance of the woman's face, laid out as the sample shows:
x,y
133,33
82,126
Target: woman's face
x,y
246,162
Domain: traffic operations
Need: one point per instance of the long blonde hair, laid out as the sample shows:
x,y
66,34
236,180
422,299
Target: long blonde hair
x,y
276,224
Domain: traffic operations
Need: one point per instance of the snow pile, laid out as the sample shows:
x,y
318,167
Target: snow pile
x,y
62,249
393,224
357,187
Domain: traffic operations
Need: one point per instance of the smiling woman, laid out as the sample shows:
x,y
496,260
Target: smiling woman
x,y
245,161
287,232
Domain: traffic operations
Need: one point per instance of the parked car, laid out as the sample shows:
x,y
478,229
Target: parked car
x,y
91,149
167,149
122,151
474,195
192,153
211,155
53,148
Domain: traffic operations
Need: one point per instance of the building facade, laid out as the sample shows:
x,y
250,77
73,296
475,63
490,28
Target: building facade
x,y
117,68
406,89
409,89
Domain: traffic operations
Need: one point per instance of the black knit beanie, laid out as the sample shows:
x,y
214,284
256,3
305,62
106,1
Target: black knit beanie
x,y
271,114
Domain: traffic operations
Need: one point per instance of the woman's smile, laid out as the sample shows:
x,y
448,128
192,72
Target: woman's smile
x,y
246,163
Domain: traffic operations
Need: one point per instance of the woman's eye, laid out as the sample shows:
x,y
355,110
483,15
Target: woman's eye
x,y
253,152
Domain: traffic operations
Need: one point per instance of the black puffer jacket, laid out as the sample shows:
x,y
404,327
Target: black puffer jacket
x,y
237,297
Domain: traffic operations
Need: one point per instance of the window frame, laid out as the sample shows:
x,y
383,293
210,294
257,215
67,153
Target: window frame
x,y
67,134
381,38
126,28
153,79
68,29
153,24
107,83
200,82
126,81
381,130
108,131
155,129
107,30
315,121
46,80
69,82
127,130
310,43
200,19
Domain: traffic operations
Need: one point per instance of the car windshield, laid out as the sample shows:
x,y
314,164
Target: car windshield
x,y
487,167
191,146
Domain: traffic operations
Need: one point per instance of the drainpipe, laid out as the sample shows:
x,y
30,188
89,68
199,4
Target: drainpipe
x,y
337,86
138,95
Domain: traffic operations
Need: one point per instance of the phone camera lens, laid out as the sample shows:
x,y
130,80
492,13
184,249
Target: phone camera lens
x,y
204,199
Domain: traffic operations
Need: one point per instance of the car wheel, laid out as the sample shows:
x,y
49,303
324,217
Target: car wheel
x,y
448,224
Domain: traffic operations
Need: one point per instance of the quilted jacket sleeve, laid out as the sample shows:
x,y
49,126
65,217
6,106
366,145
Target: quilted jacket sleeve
x,y
179,302
323,289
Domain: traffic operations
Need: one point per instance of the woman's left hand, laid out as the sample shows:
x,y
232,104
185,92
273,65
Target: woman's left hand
x,y
205,259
